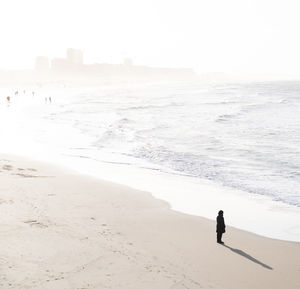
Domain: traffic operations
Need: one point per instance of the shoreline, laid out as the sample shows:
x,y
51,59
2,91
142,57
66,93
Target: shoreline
x,y
257,214
76,231
275,220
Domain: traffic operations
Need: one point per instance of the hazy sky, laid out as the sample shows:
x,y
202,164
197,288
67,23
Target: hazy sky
x,y
209,35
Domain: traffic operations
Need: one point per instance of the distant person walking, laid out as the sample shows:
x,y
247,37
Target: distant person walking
x,y
220,227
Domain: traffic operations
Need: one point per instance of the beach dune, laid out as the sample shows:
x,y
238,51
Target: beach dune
x,y
63,230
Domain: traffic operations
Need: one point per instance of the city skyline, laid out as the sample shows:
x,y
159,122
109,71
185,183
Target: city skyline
x,y
72,67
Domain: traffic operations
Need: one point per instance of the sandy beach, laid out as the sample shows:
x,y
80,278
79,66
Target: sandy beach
x,y
63,230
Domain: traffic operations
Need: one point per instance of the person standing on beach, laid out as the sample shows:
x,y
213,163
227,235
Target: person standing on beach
x,y
220,227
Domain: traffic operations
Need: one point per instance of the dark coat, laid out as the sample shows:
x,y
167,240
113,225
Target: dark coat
x,y
220,224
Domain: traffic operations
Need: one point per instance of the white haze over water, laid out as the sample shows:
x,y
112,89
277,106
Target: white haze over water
x,y
200,147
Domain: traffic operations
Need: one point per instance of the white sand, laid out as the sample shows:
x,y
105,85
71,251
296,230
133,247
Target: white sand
x,y
62,230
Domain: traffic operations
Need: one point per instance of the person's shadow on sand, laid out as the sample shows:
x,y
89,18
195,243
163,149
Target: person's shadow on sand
x,y
242,253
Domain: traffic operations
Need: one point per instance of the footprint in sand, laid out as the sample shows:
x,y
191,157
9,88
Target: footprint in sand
x,y
31,169
7,167
6,202
35,223
25,175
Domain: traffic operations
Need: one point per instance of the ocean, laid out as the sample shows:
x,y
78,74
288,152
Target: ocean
x,y
238,138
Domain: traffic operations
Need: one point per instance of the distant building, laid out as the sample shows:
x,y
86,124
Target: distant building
x,y
60,64
41,63
75,56
127,61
